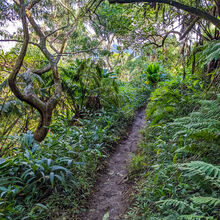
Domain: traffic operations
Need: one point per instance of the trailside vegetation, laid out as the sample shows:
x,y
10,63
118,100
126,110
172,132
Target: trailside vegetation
x,y
72,75
178,163
50,178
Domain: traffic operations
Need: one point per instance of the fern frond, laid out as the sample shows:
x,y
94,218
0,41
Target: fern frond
x,y
202,125
194,217
210,52
179,205
206,200
206,170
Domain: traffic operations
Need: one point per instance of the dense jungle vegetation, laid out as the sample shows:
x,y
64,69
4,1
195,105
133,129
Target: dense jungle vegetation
x,y
72,75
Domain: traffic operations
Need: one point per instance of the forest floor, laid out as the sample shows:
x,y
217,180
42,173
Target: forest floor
x,y
110,199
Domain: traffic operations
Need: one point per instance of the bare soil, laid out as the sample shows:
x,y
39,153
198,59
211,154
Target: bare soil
x,y
110,199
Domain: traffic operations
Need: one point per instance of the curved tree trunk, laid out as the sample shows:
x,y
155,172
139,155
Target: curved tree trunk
x,y
44,108
42,129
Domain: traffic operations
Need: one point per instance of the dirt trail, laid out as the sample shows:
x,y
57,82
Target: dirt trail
x,y
111,196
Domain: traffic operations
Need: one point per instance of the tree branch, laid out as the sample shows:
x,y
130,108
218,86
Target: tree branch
x,y
34,24
190,27
44,108
195,11
20,59
43,70
77,52
29,98
32,4
53,32
19,41
67,9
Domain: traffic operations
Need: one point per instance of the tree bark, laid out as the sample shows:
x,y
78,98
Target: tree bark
x,y
43,126
217,2
195,11
44,108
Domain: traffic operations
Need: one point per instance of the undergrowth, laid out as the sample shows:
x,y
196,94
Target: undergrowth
x,y
54,178
178,165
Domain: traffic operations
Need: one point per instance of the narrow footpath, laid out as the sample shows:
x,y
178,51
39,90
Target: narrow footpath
x,y
111,197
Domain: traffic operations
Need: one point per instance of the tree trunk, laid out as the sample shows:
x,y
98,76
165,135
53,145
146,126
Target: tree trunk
x,y
217,2
43,127
44,108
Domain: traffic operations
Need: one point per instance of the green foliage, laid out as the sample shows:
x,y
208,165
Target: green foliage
x,y
180,151
195,217
169,101
210,52
152,72
27,178
210,201
112,19
87,85
38,181
208,172
11,107
180,206
179,156
200,127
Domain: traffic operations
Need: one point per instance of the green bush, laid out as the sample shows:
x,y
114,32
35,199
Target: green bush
x,y
179,159
38,181
154,74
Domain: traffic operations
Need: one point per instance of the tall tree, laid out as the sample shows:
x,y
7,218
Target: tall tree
x,y
48,26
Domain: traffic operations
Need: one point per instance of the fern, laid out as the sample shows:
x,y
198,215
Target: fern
x,y
167,102
200,130
181,206
208,171
194,217
192,190
210,52
210,201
